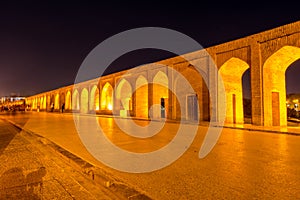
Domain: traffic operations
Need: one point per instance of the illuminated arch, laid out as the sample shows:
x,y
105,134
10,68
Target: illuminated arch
x,y
44,102
141,96
56,103
75,100
124,97
39,102
160,93
62,100
232,72
274,90
107,97
84,101
94,98
48,102
196,96
34,104
68,101
52,99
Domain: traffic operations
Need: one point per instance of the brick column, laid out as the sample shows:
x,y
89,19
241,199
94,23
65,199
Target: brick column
x,y
256,84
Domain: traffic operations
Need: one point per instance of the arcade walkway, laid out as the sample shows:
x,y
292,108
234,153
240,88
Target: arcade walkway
x,y
243,164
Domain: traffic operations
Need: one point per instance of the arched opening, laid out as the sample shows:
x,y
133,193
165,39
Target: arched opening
x,y
40,103
293,93
62,100
193,94
56,103
141,94
84,101
68,101
247,100
124,98
34,106
274,89
107,97
160,96
94,99
52,101
44,103
75,101
48,102
232,72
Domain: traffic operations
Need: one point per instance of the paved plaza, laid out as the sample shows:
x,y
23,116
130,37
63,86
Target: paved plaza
x,y
30,170
244,164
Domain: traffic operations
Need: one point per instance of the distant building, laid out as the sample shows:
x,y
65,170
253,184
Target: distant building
x,y
10,99
292,101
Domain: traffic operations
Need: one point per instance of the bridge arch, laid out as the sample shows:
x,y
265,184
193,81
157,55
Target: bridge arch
x,y
44,102
107,97
56,102
94,98
193,91
84,101
160,95
75,100
232,72
123,101
68,105
274,90
62,99
141,94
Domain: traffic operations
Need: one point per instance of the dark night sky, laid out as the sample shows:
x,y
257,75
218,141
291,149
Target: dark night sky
x,y
43,45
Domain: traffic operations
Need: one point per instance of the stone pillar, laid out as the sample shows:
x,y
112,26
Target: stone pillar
x,y
134,101
150,99
256,84
213,90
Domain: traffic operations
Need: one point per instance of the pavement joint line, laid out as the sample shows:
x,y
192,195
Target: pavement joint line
x,y
88,169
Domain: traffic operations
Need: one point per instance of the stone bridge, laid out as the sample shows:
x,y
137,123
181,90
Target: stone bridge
x,y
149,91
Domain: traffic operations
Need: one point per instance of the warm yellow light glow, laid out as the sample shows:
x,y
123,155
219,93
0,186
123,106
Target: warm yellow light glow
x,y
106,97
274,70
109,106
160,89
123,113
232,72
141,93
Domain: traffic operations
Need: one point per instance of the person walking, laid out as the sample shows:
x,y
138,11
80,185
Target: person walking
x,y
63,107
52,107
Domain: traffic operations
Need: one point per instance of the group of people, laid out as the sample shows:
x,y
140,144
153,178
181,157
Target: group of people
x,y
62,107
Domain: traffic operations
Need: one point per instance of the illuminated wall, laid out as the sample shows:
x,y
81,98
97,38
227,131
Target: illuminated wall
x,y
141,93
75,100
274,85
56,103
68,105
267,55
94,99
84,101
232,72
123,101
160,91
187,87
107,97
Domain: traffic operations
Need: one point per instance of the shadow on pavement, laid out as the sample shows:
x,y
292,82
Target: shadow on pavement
x,y
7,130
15,185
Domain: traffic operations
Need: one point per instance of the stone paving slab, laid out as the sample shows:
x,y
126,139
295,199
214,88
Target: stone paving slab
x,y
98,176
31,170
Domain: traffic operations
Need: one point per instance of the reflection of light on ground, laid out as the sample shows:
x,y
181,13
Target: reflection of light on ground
x,y
133,144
